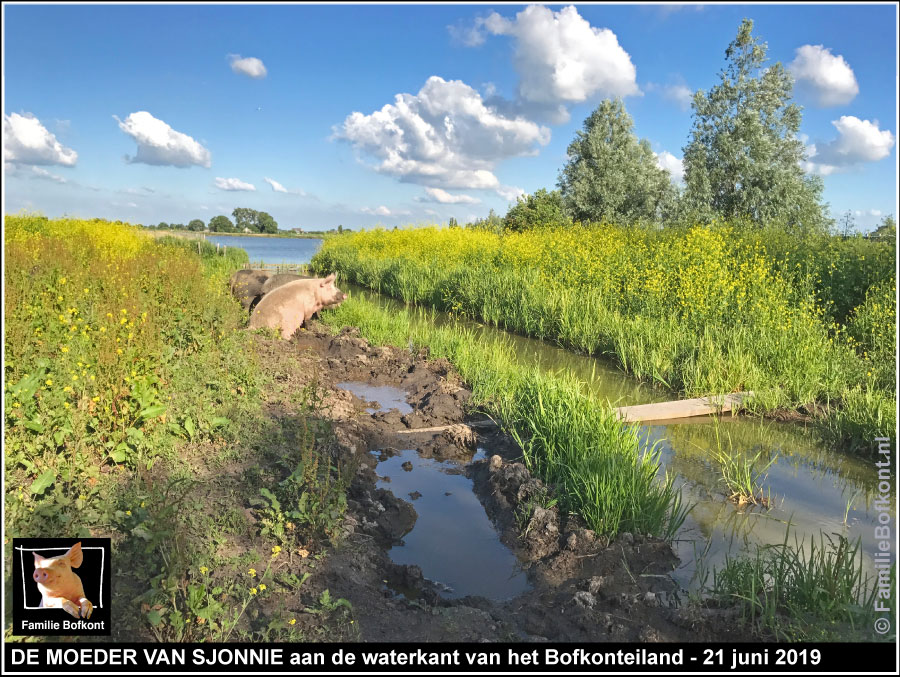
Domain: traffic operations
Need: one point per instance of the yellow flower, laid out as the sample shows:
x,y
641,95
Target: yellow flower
x,y
293,621
262,586
49,382
64,349
62,280
252,572
128,512
203,570
252,591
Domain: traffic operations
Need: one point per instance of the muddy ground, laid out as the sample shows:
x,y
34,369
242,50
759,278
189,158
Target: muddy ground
x,y
583,588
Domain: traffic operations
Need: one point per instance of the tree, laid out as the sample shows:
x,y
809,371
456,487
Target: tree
x,y
265,223
221,224
610,175
196,225
340,229
542,208
886,230
492,223
162,226
744,158
244,217
453,223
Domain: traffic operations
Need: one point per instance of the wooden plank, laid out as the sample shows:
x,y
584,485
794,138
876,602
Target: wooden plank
x,y
441,428
700,406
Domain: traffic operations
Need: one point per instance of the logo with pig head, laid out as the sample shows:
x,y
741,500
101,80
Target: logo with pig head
x,y
54,599
59,585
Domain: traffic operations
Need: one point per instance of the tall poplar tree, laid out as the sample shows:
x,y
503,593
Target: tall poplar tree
x,y
744,159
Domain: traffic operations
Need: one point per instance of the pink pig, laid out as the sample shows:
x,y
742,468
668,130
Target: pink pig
x,y
59,585
290,305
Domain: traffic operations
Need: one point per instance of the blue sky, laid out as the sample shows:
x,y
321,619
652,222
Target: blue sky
x,y
151,113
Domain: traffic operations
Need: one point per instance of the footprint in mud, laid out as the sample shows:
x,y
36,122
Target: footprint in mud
x,y
453,541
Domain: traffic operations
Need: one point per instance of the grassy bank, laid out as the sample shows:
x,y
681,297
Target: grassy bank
x,y
567,437
133,410
702,310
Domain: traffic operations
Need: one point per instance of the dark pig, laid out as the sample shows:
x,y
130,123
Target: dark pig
x,y
246,285
280,280
290,305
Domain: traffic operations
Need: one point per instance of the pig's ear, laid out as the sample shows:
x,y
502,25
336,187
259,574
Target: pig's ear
x,y
38,559
329,279
75,556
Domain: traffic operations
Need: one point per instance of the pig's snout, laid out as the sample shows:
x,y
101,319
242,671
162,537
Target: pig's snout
x,y
40,576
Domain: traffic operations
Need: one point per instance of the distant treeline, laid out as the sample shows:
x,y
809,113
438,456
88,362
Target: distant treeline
x,y
246,220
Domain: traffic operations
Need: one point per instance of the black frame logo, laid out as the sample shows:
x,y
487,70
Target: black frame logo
x,y
32,617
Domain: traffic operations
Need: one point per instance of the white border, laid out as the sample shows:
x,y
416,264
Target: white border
x,y
22,550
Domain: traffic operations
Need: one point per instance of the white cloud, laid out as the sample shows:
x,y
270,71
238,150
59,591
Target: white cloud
x,y
858,141
561,58
249,66
26,141
159,144
442,196
277,187
31,172
678,93
868,212
826,78
510,193
470,36
381,210
431,212
671,164
44,174
233,184
444,136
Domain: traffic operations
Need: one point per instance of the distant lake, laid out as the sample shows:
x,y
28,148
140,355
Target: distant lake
x,y
271,249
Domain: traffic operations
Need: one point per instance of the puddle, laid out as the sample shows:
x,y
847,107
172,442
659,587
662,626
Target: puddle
x,y
387,397
453,541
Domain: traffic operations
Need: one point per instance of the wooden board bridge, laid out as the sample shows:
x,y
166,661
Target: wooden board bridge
x,y
699,406
659,411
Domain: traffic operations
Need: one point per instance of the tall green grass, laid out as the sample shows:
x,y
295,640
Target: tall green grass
x,y
804,592
703,310
568,437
